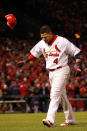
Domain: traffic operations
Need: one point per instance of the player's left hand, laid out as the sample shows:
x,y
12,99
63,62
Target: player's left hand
x,y
11,21
78,72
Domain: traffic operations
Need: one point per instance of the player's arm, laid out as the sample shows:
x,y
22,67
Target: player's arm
x,y
76,52
21,63
78,64
35,52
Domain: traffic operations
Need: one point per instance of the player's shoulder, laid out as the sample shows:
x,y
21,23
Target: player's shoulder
x,y
62,39
40,43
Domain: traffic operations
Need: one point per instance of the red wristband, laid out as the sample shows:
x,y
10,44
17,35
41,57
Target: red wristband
x,y
31,57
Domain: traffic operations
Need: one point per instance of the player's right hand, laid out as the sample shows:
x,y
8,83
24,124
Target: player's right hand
x,y
20,63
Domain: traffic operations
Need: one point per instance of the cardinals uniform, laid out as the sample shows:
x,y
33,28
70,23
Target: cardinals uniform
x,y
56,50
56,56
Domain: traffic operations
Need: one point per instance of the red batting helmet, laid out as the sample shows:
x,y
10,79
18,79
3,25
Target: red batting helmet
x,y
11,20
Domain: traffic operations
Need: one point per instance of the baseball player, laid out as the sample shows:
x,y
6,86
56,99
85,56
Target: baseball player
x,y
56,50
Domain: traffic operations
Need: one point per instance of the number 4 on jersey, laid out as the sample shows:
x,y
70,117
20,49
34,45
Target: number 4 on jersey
x,y
56,61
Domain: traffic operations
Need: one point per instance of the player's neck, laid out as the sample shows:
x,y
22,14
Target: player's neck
x,y
53,39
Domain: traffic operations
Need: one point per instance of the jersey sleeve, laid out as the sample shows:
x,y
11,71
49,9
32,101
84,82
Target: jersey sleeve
x,y
36,50
71,49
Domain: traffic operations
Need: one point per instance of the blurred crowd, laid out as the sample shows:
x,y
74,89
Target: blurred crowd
x,y
30,83
65,17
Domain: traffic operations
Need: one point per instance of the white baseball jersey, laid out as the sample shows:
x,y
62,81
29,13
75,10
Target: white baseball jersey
x,y
56,54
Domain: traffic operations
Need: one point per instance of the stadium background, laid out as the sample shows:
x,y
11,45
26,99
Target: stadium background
x,y
27,89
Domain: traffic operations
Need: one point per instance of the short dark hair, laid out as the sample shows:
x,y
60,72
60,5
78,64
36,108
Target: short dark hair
x,y
45,29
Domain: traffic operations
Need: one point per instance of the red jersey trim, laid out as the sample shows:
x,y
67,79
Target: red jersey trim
x,y
54,38
31,57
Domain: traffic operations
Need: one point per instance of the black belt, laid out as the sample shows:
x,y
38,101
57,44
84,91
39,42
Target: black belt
x,y
55,69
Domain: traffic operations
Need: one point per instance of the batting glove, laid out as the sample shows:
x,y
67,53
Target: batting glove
x,y
21,63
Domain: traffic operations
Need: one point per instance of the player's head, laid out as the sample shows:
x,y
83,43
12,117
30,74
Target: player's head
x,y
46,33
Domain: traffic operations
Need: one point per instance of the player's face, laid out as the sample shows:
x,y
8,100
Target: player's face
x,y
47,37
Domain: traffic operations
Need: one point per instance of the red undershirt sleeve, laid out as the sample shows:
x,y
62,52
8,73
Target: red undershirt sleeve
x,y
31,57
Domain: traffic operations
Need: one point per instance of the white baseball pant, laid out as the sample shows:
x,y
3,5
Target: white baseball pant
x,y
58,79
